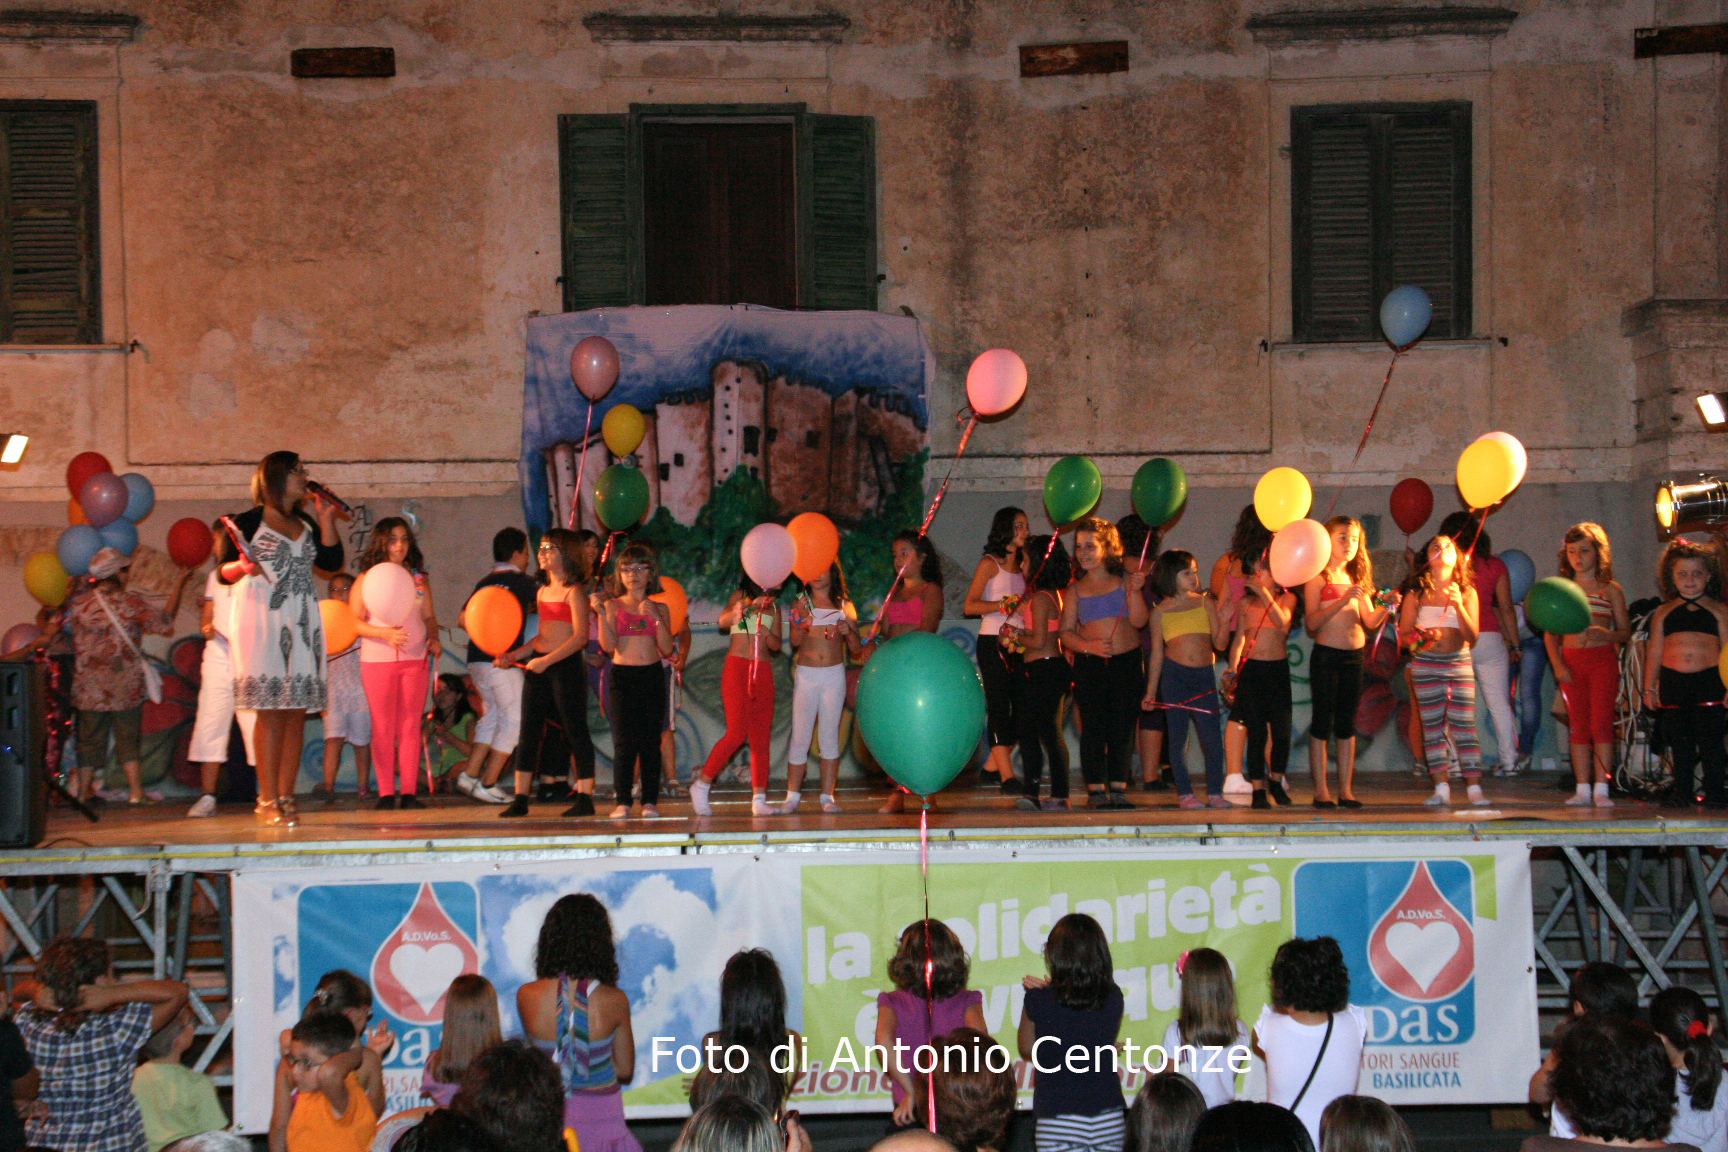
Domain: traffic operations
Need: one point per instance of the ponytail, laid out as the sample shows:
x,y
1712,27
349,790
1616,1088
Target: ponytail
x,y
1682,1018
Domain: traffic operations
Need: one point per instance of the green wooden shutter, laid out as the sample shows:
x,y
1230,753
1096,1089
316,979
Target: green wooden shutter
x,y
49,267
1332,257
1429,179
600,183
837,212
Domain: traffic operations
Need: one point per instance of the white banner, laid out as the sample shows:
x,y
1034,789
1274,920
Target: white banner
x,y
1438,942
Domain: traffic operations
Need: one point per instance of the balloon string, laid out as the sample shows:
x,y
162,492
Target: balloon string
x,y
581,466
929,963
876,624
1367,428
607,551
965,438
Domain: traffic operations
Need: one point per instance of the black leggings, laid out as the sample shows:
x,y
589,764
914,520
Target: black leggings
x,y
638,716
1335,680
1692,725
1038,707
999,669
1263,707
559,693
1108,693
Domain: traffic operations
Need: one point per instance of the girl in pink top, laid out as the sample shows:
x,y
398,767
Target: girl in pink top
x,y
914,605
913,1014
394,664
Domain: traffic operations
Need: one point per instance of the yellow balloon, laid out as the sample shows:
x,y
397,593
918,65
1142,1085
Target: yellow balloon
x,y
623,429
1282,496
1722,664
45,579
1487,473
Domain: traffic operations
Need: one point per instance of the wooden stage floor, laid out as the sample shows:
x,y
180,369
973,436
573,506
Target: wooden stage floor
x,y
1522,808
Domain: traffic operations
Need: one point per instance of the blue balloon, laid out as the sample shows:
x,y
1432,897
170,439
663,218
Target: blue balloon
x,y
1520,573
530,626
140,497
121,536
1404,315
75,547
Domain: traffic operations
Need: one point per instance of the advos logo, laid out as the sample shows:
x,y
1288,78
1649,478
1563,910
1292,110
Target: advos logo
x,y
413,967
1406,928
407,940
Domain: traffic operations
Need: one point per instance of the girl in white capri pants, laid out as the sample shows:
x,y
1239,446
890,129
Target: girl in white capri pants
x,y
216,713
824,632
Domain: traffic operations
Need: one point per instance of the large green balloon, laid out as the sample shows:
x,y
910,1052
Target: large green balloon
x,y
921,710
1071,489
1558,606
620,497
1160,487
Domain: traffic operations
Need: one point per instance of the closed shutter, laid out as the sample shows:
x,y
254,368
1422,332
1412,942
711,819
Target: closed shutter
x,y
837,213
602,259
1380,196
49,282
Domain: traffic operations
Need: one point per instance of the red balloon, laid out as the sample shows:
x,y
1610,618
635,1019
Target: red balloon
x,y
594,367
1412,504
83,466
189,542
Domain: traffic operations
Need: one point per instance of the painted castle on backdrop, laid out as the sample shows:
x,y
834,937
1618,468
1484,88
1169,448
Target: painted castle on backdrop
x,y
814,452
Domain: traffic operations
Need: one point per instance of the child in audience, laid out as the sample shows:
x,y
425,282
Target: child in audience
x,y
1681,681
470,1027
347,719
345,994
1310,1036
174,1100
1164,1114
1598,988
824,634
331,1112
753,1006
1363,1124
1078,1005
1682,1019
1207,1020
913,1013
973,1090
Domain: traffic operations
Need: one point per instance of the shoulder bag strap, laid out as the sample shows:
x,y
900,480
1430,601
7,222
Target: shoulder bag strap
x,y
1327,1039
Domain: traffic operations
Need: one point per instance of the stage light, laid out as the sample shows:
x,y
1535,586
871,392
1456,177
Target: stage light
x,y
12,445
1696,505
1713,410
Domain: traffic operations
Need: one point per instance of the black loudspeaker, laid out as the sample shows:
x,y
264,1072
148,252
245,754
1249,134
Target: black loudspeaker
x,y
23,779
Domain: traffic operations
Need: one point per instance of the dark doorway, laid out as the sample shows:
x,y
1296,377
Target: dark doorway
x,y
718,214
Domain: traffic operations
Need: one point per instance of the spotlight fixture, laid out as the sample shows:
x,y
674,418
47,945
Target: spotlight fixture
x,y
12,445
1699,504
1713,410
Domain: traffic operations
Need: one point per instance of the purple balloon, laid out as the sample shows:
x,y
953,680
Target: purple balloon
x,y
104,498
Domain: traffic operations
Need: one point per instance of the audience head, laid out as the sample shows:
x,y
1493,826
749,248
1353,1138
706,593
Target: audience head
x,y
210,1142
576,941
171,1040
508,543
1363,1124
949,968
313,1040
339,990
1682,1019
1207,1014
1242,1126
912,1140
1048,568
753,1001
973,1101
758,1082
1078,958
1310,976
1603,989
444,1130
514,1094
730,1124
470,1025
65,967
1613,1080
1164,1114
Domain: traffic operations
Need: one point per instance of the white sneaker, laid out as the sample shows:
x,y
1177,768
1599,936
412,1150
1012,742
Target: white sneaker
x,y
699,789
759,805
1599,797
205,806
829,805
1477,799
469,785
1579,799
790,805
1442,797
492,794
1237,784
649,812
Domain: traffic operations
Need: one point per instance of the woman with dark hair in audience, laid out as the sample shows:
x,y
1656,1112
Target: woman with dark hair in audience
x,y
512,1093
1363,1124
576,1013
1615,1083
1310,1036
753,1006
1243,1126
443,1130
996,586
1164,1114
1078,1005
974,1091
1681,1018
1598,988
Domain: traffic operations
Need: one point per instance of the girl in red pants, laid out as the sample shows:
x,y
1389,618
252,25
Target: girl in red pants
x,y
394,667
747,690
1587,664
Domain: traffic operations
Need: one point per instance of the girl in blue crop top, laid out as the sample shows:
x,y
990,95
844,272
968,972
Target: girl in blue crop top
x,y
1101,625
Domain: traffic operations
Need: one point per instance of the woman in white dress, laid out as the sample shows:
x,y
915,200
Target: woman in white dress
x,y
277,633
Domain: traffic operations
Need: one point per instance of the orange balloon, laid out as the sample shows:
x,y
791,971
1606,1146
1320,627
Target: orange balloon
x,y
75,512
493,619
677,603
340,627
816,544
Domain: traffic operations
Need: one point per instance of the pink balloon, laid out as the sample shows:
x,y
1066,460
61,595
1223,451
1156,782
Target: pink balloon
x,y
594,367
768,552
103,499
388,593
995,382
1299,552
1520,458
19,635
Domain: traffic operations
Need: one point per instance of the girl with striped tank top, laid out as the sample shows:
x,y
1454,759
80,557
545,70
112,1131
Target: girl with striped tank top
x,y
576,1014
1587,664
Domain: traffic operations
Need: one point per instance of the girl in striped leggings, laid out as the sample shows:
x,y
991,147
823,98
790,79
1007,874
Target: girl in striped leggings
x,y
1438,620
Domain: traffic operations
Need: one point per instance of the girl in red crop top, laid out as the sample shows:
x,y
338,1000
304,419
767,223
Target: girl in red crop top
x,y
915,605
637,632
1587,664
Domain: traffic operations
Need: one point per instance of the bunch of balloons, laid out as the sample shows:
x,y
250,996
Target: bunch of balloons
x,y
594,372
104,510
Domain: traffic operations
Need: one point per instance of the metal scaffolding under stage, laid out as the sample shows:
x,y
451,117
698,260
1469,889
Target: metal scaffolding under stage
x,y
1649,895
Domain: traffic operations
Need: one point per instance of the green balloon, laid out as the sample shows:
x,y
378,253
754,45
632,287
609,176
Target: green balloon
x,y
1071,489
921,710
620,497
1556,605
1160,487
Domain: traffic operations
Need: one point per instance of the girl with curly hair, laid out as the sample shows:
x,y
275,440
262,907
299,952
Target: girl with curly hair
x,y
1101,625
1587,664
1338,609
555,679
1438,620
1681,681
912,1014
575,1012
396,663
636,632
1310,1036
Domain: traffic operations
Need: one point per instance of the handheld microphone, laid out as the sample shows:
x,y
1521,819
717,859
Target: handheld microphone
x,y
318,489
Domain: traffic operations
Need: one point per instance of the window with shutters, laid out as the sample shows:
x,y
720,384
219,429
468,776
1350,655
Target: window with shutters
x,y
49,274
760,204
1380,196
